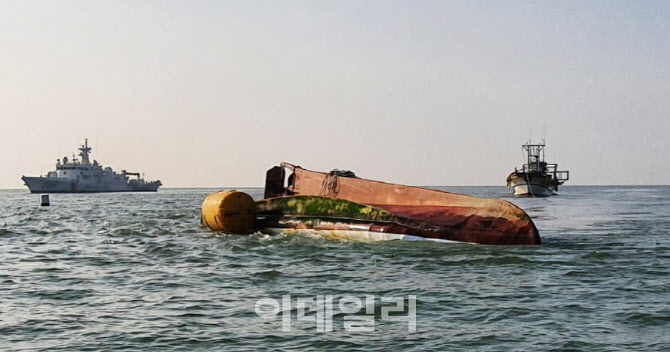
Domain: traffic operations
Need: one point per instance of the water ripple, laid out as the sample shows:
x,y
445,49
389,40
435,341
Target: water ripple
x,y
138,272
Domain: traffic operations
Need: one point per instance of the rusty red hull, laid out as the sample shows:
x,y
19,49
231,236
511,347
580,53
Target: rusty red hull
x,y
440,215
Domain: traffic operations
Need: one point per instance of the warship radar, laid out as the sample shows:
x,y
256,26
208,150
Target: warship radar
x,y
82,176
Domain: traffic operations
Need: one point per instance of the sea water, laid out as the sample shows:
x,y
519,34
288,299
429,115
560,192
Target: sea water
x,y
137,271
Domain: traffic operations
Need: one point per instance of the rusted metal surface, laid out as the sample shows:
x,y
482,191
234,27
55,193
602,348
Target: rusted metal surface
x,y
274,179
418,211
323,213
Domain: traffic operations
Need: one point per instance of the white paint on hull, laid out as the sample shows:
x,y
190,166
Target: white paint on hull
x,y
533,190
535,186
354,236
65,185
48,185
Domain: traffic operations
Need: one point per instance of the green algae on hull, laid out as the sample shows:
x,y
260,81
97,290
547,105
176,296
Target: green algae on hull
x,y
320,206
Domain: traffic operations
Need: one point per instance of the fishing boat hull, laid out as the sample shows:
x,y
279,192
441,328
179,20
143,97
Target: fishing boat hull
x,y
338,218
340,205
536,178
525,190
530,185
442,215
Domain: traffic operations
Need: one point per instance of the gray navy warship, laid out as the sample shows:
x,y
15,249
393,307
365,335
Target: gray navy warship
x,y
82,176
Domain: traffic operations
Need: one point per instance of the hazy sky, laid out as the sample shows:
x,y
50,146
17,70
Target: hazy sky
x,y
213,93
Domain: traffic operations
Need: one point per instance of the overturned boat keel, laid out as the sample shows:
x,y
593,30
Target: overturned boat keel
x,y
355,209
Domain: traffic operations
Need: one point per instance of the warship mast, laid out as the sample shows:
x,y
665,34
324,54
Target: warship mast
x,y
84,150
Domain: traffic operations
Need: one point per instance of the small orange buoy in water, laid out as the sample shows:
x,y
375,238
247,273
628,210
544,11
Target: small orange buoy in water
x,y
229,211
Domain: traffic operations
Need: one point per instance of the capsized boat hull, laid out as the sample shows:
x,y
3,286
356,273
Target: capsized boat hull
x,y
420,212
345,219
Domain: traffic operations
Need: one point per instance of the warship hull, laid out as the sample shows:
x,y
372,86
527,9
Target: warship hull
x,y
82,176
60,185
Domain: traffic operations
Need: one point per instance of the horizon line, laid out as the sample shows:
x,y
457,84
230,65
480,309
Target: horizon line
x,y
231,187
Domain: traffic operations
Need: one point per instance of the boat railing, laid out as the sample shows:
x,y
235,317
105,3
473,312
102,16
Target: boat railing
x,y
560,175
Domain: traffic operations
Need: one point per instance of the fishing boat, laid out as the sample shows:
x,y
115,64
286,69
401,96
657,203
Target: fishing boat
x,y
536,178
338,204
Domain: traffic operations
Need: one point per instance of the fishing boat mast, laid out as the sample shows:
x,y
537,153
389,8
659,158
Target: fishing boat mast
x,y
535,157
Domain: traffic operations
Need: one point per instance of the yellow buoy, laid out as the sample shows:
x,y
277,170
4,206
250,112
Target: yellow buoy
x,y
230,211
